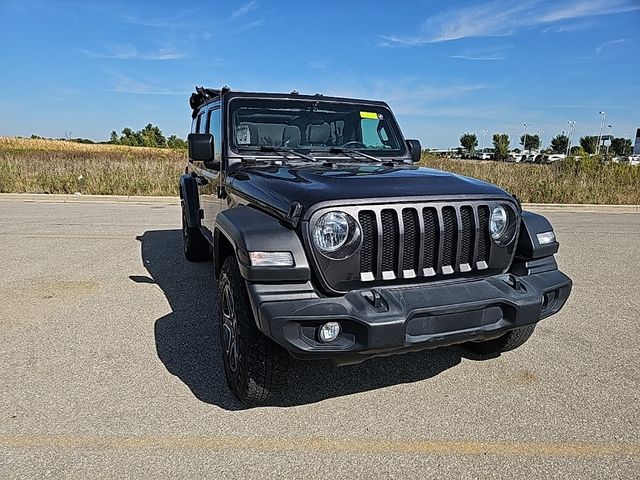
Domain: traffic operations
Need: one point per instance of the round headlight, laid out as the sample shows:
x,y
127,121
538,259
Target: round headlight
x,y
499,222
331,231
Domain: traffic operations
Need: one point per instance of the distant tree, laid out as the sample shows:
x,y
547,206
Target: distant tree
x,y
559,143
114,137
577,150
130,138
589,144
533,142
152,136
469,141
176,143
621,147
500,146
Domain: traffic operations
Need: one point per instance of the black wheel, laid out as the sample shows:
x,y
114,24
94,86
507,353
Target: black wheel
x,y
509,341
255,366
196,247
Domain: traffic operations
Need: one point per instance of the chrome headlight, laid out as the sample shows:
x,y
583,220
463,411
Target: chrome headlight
x,y
499,222
333,232
502,225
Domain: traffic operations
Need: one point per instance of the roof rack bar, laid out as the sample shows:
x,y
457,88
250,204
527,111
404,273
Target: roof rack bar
x,y
203,95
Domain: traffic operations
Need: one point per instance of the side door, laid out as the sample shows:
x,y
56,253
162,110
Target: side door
x,y
211,172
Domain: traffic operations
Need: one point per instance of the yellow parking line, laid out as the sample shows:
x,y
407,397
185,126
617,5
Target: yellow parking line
x,y
327,444
68,236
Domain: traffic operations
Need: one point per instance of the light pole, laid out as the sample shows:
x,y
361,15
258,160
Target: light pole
x,y
484,136
541,133
610,127
603,120
524,141
572,124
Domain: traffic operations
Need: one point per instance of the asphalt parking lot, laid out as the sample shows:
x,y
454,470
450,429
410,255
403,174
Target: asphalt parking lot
x,y
111,368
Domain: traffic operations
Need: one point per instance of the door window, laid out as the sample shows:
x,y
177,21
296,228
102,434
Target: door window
x,y
215,129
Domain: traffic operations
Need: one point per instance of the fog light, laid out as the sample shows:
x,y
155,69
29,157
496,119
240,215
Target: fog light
x,y
546,238
329,332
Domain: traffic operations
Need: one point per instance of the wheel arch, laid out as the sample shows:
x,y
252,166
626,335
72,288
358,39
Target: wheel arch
x,y
246,229
190,200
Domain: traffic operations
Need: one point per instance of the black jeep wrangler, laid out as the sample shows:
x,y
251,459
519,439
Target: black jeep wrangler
x,y
328,241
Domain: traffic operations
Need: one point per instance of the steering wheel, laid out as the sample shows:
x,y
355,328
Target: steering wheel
x,y
354,143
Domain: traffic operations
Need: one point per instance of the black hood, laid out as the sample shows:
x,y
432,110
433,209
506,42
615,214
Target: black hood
x,y
280,185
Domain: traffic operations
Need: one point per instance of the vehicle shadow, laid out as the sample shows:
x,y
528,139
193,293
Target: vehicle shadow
x,y
188,344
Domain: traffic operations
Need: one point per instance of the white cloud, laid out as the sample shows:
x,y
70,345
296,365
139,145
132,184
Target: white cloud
x,y
244,9
588,8
610,43
123,83
503,17
129,52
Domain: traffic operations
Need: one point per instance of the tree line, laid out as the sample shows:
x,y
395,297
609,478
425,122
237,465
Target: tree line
x,y
149,136
587,145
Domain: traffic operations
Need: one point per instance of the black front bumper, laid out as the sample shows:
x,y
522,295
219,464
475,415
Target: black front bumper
x,y
380,321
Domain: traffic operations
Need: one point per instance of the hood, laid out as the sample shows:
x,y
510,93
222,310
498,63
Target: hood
x,y
280,185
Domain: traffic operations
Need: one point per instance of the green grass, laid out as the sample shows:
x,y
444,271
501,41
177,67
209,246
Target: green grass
x,y
46,166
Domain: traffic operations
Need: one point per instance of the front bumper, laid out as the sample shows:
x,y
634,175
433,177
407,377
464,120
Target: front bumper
x,y
380,321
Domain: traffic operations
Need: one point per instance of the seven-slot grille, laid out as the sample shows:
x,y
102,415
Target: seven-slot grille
x,y
417,241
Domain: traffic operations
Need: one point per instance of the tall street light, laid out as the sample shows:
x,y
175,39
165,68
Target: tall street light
x,y
572,124
541,133
524,142
484,136
602,122
610,127
512,134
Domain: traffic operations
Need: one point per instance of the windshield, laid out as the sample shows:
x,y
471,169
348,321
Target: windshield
x,y
313,125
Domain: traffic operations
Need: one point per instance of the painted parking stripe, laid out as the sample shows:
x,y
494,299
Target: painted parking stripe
x,y
327,444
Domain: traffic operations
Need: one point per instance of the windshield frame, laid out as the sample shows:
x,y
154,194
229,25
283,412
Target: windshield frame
x,y
363,105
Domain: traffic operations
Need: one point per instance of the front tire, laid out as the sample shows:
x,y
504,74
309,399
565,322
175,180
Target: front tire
x,y
509,341
254,365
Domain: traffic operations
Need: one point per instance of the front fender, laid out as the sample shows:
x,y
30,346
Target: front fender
x,y
528,246
247,229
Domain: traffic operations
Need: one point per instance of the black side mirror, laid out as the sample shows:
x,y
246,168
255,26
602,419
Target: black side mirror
x,y
415,149
200,147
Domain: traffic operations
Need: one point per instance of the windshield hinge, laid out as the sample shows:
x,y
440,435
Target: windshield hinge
x,y
293,215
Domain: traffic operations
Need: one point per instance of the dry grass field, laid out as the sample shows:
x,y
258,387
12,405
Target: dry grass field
x,y
569,181
49,166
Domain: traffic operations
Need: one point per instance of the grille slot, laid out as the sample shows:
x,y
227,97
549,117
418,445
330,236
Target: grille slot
x,y
430,241
467,238
484,241
411,249
390,242
369,251
449,239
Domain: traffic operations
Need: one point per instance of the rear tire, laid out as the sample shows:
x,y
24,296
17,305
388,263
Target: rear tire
x,y
509,341
254,365
195,245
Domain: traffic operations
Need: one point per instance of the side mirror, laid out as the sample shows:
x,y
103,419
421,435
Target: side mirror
x,y
415,149
200,147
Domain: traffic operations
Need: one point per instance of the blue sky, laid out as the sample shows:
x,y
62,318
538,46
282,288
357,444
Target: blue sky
x,y
444,67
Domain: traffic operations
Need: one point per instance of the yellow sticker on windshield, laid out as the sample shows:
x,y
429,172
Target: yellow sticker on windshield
x,y
369,115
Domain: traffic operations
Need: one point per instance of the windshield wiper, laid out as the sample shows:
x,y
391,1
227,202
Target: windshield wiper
x,y
352,152
283,150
